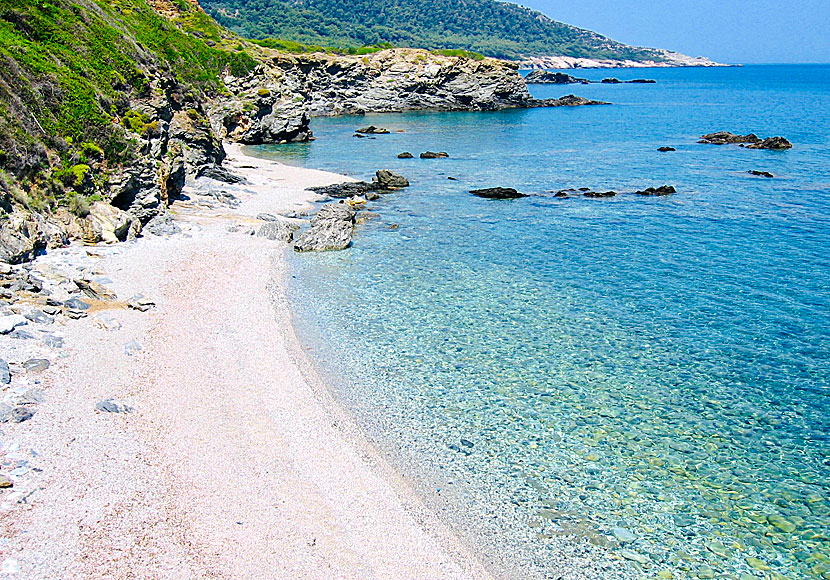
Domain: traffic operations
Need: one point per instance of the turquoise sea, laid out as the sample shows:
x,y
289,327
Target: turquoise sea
x,y
629,387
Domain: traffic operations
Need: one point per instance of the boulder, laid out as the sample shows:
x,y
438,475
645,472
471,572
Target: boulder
x,y
665,149
642,81
760,173
343,190
10,322
113,406
405,155
599,193
5,373
497,193
331,229
725,137
662,190
95,290
775,143
372,130
434,155
278,230
544,77
387,180
568,101
21,237
611,81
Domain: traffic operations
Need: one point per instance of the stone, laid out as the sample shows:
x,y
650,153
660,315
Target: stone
x,y
497,193
760,173
19,415
10,322
642,81
281,231
611,81
405,155
775,143
5,482
343,190
162,225
372,130
37,316
140,303
705,572
567,101
95,290
623,535
387,180
725,137
36,365
113,406
717,548
544,77
781,523
634,556
599,193
106,321
132,348
5,373
331,229
109,225
52,340
434,155
666,149
267,217
757,564
662,190
76,304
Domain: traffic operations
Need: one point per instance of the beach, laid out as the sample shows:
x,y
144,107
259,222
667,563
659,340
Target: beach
x,y
234,461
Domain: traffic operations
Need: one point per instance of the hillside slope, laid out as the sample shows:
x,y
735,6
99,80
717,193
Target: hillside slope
x,y
492,28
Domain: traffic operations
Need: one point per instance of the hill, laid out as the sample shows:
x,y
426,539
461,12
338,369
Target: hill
x,y
492,28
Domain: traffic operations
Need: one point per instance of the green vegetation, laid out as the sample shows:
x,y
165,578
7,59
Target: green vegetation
x,y
300,48
69,70
487,27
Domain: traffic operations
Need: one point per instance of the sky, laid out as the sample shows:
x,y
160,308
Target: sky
x,y
732,31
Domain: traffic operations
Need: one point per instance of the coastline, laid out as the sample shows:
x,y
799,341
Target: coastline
x,y
236,462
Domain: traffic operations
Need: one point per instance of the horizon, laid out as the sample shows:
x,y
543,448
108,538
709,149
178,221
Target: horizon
x,y
741,32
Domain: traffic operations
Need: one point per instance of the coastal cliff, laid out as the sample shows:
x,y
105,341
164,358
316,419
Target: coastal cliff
x,y
136,98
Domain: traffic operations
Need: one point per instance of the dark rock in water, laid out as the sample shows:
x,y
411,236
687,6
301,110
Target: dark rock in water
x,y
775,143
562,193
372,130
665,149
75,304
497,193
343,190
371,196
611,81
544,77
387,180
662,190
36,365
642,81
725,138
452,178
5,373
113,406
599,193
568,101
434,155
760,173
405,155
278,230
331,229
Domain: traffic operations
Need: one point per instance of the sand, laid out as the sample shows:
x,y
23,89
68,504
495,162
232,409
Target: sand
x,y
236,462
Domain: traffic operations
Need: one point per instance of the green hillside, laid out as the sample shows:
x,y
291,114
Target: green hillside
x,y
489,27
69,70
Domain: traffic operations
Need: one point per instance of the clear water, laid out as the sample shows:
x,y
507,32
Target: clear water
x,y
655,364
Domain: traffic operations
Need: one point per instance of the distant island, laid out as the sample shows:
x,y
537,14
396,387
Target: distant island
x,y
488,27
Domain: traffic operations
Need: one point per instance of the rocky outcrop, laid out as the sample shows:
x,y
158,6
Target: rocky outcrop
x,y
331,229
757,173
751,141
497,193
666,149
434,155
372,130
544,77
662,190
666,58
278,230
386,180
566,101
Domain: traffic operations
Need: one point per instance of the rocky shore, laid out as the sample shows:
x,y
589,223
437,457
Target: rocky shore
x,y
199,443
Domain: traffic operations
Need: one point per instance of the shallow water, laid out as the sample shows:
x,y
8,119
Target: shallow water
x,y
576,366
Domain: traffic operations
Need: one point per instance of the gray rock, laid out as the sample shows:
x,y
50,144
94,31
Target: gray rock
x,y
343,190
267,217
36,365
132,348
434,155
10,322
405,155
37,316
566,101
52,340
5,373
76,304
544,77
623,535
666,149
331,229
16,415
775,143
372,130
662,190
497,193
281,231
387,180
140,303
20,334
162,225
113,406
95,290
725,137
107,322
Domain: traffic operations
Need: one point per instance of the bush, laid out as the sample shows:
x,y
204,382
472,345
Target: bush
x,y
92,151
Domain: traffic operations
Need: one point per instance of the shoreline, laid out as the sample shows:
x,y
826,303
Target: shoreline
x,y
236,462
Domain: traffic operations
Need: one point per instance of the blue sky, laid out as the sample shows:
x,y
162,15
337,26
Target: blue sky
x,y
735,31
